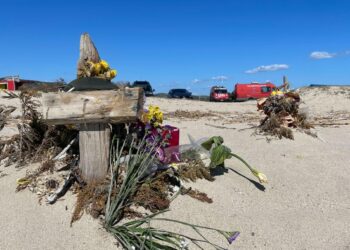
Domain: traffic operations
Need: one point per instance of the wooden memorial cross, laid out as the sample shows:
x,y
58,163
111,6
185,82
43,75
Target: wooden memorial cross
x,y
92,110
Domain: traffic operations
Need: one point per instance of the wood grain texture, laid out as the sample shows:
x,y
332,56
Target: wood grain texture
x,y
94,143
112,106
88,52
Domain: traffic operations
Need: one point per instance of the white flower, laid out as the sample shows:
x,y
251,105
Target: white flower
x,y
184,243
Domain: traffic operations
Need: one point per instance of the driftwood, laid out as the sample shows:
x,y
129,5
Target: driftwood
x,y
88,52
122,105
94,141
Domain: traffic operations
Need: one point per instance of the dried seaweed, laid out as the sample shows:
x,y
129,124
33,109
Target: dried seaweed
x,y
193,115
282,114
153,195
272,126
193,170
36,141
195,194
91,198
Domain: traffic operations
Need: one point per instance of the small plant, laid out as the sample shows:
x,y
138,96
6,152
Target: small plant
x,y
138,234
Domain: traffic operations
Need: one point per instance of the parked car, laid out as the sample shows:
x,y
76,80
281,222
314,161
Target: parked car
x,y
147,88
179,93
219,93
251,91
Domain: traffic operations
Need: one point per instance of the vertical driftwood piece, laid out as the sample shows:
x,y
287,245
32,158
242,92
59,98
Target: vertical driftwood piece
x,y
285,83
94,139
88,52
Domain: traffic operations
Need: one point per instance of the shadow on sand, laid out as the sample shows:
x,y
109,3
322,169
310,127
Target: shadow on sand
x,y
222,170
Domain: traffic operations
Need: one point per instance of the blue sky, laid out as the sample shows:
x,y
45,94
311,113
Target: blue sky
x,y
181,43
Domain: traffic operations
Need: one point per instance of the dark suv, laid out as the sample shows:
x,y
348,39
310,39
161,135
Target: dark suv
x,y
179,93
147,88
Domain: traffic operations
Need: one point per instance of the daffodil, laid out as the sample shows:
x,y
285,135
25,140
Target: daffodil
x,y
153,116
104,65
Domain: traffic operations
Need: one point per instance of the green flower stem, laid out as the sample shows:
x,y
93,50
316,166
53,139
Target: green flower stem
x,y
244,162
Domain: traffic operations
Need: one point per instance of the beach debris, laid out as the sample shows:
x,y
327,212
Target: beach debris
x,y
138,234
51,184
216,152
146,165
196,194
91,198
192,169
70,180
5,112
282,114
36,141
193,115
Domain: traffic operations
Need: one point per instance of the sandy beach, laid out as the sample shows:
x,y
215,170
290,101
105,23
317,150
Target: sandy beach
x,y
305,205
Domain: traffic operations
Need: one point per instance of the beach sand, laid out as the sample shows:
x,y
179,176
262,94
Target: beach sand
x,y
305,205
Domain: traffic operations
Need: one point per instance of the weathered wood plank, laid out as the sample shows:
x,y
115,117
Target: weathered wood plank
x,y
110,106
94,143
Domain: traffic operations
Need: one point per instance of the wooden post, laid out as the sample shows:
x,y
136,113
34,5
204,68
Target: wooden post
x,y
94,143
94,139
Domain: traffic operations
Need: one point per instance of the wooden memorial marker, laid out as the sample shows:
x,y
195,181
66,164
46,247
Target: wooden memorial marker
x,y
92,110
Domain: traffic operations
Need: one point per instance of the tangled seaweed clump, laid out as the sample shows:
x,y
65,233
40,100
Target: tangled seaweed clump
x,y
282,114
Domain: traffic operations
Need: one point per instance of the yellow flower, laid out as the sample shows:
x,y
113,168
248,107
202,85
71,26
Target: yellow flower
x,y
96,69
153,115
159,117
262,178
112,73
104,65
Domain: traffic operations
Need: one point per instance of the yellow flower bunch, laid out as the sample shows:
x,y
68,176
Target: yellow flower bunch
x,y
153,116
101,69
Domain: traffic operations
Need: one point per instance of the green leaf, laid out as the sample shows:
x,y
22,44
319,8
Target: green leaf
x,y
216,140
218,155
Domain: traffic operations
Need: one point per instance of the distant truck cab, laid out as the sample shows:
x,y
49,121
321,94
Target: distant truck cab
x,y
147,88
219,93
243,92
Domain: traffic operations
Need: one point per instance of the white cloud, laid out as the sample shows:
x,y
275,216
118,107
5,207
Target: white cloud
x,y
219,78
263,68
322,55
214,78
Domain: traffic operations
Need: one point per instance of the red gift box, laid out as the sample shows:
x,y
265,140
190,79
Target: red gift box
x,y
174,132
172,135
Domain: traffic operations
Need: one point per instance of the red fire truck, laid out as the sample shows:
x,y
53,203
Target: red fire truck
x,y
254,90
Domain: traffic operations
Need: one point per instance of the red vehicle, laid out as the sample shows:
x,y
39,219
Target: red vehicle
x,y
243,92
219,93
8,83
